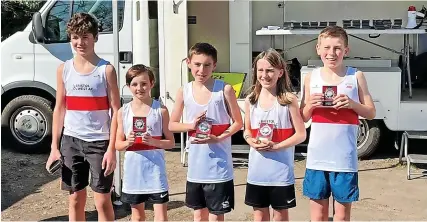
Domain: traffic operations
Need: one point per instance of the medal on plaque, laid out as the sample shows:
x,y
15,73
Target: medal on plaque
x,y
265,131
139,126
204,128
329,92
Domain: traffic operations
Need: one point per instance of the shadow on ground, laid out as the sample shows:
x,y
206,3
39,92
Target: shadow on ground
x,y
22,175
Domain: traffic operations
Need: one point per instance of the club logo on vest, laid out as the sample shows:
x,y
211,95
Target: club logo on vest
x,y
82,87
266,130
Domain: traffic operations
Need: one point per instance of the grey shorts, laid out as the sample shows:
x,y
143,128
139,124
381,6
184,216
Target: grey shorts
x,y
80,158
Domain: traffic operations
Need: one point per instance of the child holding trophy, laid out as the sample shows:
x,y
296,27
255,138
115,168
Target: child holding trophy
x,y
334,97
211,117
273,126
141,124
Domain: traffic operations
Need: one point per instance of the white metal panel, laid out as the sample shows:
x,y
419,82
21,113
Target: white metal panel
x,y
173,48
17,58
241,38
413,116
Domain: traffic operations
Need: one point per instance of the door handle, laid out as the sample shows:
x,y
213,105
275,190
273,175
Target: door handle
x,y
125,57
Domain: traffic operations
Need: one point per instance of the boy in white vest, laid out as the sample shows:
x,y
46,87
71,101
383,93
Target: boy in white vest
x,y
209,105
334,98
87,94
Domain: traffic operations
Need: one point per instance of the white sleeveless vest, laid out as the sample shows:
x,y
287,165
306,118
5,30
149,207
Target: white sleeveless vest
x,y
272,168
333,137
144,171
87,108
209,163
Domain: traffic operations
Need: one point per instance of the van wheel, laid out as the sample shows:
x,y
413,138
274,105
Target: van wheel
x,y
26,123
368,137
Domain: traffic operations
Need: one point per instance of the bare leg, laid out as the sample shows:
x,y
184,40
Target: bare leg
x,y
342,211
76,205
104,206
201,214
281,215
213,217
160,212
138,212
261,214
319,210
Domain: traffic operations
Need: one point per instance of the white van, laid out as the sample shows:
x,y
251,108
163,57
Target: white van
x,y
159,34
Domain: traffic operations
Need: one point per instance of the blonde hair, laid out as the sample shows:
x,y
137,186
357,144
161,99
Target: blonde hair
x,y
333,31
284,85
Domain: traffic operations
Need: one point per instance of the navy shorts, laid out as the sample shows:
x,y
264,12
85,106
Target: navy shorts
x,y
319,185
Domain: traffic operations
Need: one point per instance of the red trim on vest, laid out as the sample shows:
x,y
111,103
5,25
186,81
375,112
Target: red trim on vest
x,y
86,103
138,145
331,115
217,129
279,135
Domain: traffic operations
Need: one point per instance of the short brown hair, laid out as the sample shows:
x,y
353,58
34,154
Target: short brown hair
x,y
334,31
205,49
82,23
137,70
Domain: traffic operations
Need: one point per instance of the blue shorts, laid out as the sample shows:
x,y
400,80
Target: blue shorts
x,y
319,185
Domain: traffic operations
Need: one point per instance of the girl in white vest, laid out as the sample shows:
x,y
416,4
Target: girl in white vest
x,y
144,176
273,126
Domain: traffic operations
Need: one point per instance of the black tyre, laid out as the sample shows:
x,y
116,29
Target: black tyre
x,y
26,123
368,137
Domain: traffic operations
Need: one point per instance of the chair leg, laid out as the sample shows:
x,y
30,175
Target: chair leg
x,y
402,144
408,162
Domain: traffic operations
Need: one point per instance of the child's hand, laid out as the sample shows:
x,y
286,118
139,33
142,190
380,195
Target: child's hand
x,y
315,100
147,139
210,139
258,145
342,101
197,119
130,139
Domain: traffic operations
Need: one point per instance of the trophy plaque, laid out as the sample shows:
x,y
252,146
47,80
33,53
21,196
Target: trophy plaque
x,y
265,131
139,126
204,128
329,92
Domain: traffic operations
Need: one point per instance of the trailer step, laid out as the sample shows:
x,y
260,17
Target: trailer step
x,y
422,135
417,158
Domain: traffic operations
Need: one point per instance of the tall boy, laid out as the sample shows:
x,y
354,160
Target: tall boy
x,y
86,93
332,148
209,189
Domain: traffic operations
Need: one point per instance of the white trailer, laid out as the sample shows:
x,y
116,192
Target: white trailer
x,y
159,34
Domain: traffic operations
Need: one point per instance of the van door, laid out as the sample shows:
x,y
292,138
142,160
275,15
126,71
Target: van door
x,y
173,48
57,47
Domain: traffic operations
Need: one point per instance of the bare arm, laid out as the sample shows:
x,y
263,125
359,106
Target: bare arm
x,y
366,107
306,110
231,100
247,133
298,124
169,141
114,99
59,110
121,143
175,124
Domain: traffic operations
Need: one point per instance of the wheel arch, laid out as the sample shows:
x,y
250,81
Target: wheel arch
x,y
26,87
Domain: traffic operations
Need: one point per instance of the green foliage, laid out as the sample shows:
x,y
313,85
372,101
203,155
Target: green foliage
x,y
15,15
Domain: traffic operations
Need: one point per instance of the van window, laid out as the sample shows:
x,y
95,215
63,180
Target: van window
x,y
60,13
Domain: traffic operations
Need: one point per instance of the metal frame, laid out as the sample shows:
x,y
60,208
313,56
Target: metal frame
x,y
404,148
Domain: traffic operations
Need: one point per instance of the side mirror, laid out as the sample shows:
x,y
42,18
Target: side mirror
x,y
38,28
